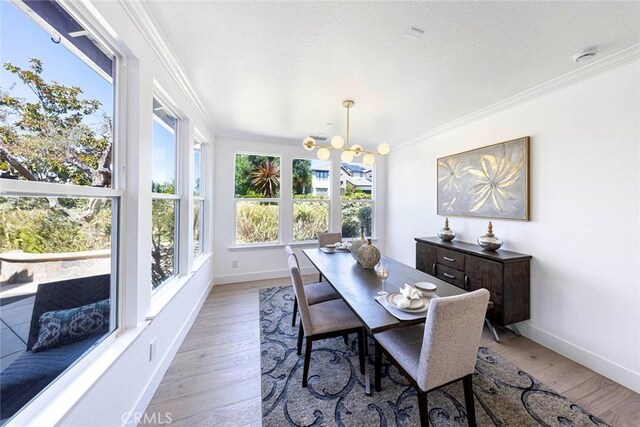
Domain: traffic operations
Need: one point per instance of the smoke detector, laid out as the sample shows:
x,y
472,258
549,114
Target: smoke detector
x,y
585,55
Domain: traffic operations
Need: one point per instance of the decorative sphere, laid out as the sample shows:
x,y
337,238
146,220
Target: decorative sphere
x,y
357,149
309,143
369,159
384,148
346,156
337,142
324,153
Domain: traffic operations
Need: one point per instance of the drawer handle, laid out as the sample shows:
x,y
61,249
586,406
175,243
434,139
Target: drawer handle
x,y
450,276
435,269
449,259
466,281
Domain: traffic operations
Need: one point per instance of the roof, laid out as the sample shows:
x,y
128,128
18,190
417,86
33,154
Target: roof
x,y
355,167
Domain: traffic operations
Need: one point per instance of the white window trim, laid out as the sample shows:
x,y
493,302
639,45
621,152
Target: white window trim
x,y
198,146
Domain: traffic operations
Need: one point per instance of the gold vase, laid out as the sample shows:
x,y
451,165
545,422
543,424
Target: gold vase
x,y
369,255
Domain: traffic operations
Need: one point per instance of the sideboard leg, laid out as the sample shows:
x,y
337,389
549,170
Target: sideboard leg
x,y
492,329
515,330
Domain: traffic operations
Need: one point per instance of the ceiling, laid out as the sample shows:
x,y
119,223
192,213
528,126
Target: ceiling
x,y
282,69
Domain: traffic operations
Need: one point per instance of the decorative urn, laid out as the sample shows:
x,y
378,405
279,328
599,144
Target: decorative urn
x,y
369,255
358,243
446,234
489,241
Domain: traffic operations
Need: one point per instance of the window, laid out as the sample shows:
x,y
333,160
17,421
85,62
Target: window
x,y
165,204
198,201
356,193
310,187
257,198
59,201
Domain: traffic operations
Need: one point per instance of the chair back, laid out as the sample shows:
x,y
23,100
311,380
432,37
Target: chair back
x,y
451,338
325,239
298,288
290,252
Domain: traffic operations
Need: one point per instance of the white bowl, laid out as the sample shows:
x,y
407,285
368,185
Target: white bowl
x,y
426,287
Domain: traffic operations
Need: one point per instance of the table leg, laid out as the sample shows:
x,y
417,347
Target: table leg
x,y
515,330
367,380
493,330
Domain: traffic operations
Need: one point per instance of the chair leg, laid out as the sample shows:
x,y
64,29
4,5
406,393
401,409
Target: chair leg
x,y
345,337
295,310
423,406
300,336
307,361
366,343
361,349
467,382
378,373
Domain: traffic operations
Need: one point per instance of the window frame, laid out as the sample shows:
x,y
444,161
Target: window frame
x,y
120,311
200,199
177,195
328,200
236,200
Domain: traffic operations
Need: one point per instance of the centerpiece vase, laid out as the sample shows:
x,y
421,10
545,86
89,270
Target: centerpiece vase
x,y
358,243
369,255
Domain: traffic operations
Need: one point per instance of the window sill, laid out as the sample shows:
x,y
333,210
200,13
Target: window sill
x,y
170,289
307,243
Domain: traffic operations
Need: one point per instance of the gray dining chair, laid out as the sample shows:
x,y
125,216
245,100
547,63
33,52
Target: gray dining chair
x,y
316,292
325,239
441,351
327,319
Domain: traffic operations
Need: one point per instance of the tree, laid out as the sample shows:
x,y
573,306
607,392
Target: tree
x,y
49,139
266,179
252,173
302,177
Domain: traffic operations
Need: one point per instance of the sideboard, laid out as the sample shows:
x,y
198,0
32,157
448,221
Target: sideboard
x,y
506,275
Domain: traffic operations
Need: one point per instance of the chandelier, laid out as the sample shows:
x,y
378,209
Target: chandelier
x,y
338,143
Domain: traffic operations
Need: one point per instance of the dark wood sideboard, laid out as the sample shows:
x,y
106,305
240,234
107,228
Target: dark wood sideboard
x,y
505,274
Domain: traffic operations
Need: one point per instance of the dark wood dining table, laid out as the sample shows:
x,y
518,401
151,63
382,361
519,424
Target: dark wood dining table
x,y
358,288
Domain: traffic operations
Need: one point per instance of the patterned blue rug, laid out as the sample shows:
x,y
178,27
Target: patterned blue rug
x,y
505,395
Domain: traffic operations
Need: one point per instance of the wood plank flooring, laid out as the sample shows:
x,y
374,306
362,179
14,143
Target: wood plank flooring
x,y
214,380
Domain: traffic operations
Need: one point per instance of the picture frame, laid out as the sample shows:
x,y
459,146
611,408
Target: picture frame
x,y
486,182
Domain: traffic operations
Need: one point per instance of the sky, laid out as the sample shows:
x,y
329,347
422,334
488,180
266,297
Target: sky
x,y
22,39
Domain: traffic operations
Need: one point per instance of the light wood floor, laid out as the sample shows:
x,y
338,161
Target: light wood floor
x,y
214,380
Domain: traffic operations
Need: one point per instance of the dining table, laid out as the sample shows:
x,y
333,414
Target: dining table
x,y
359,286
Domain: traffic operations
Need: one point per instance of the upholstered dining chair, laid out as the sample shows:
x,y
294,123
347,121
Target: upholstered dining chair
x,y
316,292
441,351
325,239
323,320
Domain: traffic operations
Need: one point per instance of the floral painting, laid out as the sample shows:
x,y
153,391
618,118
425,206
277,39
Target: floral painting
x,y
491,181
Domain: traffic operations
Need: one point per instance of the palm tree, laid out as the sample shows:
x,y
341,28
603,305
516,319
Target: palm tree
x,y
266,179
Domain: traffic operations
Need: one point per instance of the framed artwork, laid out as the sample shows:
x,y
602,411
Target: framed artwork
x,y
489,182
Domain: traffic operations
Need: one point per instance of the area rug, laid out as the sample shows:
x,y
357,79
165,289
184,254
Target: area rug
x,y
505,395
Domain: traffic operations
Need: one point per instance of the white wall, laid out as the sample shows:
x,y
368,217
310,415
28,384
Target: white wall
x,y
255,263
584,231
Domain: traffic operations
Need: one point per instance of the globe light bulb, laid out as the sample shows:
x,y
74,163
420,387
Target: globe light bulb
x,y
309,143
324,153
346,156
337,142
384,148
369,159
357,149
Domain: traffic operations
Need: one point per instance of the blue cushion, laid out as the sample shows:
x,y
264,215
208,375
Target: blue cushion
x,y
30,373
62,327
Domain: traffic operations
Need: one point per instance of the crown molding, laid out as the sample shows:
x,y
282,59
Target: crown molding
x,y
141,17
603,65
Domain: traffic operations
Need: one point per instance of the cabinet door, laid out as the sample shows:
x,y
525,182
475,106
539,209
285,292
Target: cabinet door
x,y
482,273
425,258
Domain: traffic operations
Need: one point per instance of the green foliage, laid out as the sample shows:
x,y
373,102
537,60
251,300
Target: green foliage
x,y
246,166
351,193
50,140
302,177
256,222
163,225
266,179
31,225
309,219
355,214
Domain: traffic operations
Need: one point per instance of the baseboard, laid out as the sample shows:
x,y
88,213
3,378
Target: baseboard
x,y
259,275
599,364
156,379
